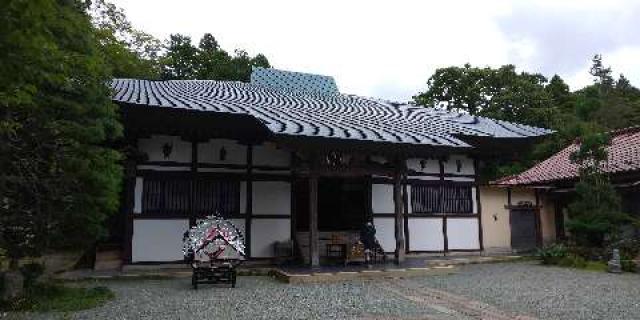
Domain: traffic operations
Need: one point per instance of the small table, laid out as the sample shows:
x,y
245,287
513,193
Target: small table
x,y
336,250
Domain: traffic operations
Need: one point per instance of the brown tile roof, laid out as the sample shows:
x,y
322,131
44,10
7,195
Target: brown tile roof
x,y
623,153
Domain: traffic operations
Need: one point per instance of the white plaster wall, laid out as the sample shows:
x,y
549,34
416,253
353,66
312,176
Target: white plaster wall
x,y
382,198
430,178
222,170
462,233
161,168
467,165
431,165
158,240
268,155
460,179
181,151
271,197
379,159
425,234
264,232
385,232
474,197
409,206
137,195
209,152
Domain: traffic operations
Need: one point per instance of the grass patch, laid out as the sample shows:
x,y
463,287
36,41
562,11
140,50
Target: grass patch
x,y
596,266
56,297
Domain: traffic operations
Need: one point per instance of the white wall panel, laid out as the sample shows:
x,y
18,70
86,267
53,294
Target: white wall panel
x,y
162,168
460,179
474,198
137,195
265,232
428,178
180,151
271,197
209,152
385,232
430,165
268,155
222,170
382,198
462,233
451,166
158,240
425,234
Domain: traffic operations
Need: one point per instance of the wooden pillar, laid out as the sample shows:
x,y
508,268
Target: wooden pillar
x,y
193,210
399,218
314,253
129,198
249,201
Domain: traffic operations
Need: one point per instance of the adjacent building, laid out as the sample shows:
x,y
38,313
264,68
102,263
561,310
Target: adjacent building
x,y
555,178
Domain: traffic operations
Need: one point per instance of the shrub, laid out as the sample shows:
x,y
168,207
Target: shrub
x,y
628,265
46,297
31,272
552,254
573,261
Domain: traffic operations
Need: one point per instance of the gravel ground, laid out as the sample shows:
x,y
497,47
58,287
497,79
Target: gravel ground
x,y
491,291
545,292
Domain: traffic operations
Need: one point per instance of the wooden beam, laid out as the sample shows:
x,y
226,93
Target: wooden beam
x,y
399,218
314,253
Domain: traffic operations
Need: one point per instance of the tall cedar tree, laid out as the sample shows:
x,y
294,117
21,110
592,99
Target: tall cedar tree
x,y
58,181
595,214
207,61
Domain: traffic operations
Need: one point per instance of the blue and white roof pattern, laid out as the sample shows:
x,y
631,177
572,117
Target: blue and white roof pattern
x,y
293,81
298,113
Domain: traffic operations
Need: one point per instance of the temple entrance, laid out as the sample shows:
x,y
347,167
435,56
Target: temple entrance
x,y
342,204
343,208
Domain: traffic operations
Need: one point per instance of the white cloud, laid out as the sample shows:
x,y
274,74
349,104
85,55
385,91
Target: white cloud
x,y
388,49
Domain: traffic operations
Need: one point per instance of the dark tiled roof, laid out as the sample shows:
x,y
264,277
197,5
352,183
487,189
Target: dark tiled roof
x,y
623,156
300,113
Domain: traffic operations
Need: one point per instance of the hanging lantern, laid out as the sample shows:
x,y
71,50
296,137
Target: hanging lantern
x,y
167,149
223,154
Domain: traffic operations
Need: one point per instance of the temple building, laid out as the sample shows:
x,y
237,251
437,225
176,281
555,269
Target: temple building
x,y
290,159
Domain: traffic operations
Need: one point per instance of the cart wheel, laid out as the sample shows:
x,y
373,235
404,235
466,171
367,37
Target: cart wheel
x,y
233,279
194,281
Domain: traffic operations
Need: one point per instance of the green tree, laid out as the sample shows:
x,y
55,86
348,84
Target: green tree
x,y
214,63
601,73
499,93
58,181
595,213
180,62
129,52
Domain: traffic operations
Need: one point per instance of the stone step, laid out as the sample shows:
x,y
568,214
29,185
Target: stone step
x,y
329,277
108,260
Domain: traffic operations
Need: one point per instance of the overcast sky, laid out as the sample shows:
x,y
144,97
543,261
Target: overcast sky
x,y
388,49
